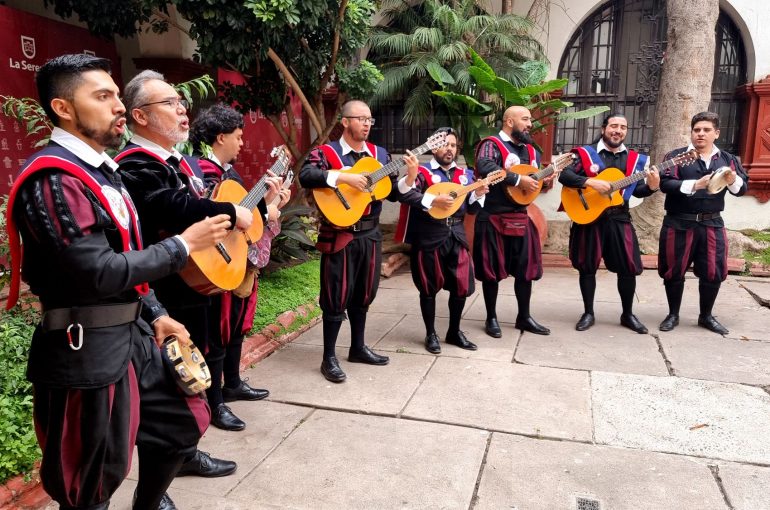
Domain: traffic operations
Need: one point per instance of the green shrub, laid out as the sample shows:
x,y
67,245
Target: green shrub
x,y
18,445
284,290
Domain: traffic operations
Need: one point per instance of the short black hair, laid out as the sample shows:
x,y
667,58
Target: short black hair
x,y
213,121
708,116
612,115
60,76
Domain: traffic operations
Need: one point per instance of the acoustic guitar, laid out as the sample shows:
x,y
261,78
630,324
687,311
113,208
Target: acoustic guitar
x,y
458,191
524,197
344,205
585,205
223,267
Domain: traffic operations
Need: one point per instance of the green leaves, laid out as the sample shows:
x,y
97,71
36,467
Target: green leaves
x,y
583,114
359,82
202,86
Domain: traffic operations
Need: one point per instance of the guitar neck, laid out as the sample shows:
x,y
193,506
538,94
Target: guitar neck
x,y
256,193
545,172
638,176
396,165
469,188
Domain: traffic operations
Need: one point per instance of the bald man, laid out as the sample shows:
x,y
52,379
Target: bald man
x,y
506,241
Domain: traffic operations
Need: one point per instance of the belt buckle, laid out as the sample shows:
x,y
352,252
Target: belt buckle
x,y
699,217
356,227
449,222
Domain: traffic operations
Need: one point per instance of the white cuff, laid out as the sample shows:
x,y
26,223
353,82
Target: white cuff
x,y
184,243
480,200
403,187
473,198
331,178
736,186
687,186
427,200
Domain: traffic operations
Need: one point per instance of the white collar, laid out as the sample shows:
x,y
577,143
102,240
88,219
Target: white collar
x,y
347,148
154,147
714,152
502,134
213,157
81,149
435,166
601,146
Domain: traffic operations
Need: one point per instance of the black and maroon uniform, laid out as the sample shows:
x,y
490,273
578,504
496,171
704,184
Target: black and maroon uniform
x,y
506,241
350,257
693,231
83,255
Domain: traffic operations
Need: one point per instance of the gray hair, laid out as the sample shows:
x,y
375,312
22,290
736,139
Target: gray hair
x,y
134,95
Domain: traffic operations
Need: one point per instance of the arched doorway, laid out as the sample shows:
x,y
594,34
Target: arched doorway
x,y
615,59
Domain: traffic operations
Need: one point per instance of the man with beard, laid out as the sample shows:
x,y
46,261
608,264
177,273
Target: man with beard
x,y
99,382
440,255
169,197
350,256
612,236
221,129
506,242
693,230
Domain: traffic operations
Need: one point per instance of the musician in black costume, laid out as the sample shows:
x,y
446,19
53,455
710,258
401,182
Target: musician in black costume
x,y
350,256
693,231
440,256
99,382
612,235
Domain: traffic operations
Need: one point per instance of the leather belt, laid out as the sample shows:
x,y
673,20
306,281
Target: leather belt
x,y
88,317
361,225
452,221
695,217
615,210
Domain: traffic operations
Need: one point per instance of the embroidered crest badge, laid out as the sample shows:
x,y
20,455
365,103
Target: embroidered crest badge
x,y
117,205
512,160
435,178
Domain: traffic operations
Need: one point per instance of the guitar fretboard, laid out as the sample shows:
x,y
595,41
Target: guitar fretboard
x,y
560,162
395,165
256,193
638,176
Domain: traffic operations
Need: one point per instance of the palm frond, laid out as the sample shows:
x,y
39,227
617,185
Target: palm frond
x,y
455,51
395,80
419,105
427,38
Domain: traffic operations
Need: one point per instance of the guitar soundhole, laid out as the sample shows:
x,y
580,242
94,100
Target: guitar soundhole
x,y
453,194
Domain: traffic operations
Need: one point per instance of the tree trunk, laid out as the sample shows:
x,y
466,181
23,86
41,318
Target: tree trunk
x,y
685,89
506,7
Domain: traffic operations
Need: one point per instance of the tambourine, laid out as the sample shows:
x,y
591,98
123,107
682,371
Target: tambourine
x,y
187,365
718,180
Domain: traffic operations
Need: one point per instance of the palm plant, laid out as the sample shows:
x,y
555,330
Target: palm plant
x,y
434,38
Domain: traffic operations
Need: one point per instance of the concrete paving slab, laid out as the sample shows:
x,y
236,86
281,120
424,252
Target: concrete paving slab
x,y
746,486
703,355
377,324
530,474
396,301
409,337
402,279
339,460
506,397
688,416
603,347
293,376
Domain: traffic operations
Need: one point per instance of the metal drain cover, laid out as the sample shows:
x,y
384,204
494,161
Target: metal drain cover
x,y
584,503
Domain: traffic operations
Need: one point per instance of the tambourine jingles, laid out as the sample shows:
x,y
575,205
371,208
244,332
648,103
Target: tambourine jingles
x,y
718,181
187,365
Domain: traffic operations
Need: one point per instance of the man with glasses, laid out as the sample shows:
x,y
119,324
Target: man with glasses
x,y
440,257
169,197
350,257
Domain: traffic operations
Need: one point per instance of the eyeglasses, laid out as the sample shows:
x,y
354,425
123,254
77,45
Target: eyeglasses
x,y
362,120
173,102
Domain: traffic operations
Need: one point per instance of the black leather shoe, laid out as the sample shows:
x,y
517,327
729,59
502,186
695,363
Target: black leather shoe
x,y
710,323
531,325
243,392
492,328
368,356
206,466
631,322
670,322
586,321
432,345
330,368
460,341
223,418
166,503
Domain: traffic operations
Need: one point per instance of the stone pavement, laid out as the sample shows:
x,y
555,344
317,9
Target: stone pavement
x,y
603,419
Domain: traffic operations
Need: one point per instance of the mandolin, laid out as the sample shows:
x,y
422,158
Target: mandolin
x,y
585,205
523,197
457,191
223,267
344,205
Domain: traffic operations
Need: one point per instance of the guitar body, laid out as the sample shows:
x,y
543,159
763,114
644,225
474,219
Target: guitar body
x,y
517,194
595,203
207,271
445,188
335,210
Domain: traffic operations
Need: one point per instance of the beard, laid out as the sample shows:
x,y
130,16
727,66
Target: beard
x,y
105,138
176,134
610,143
445,159
522,136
